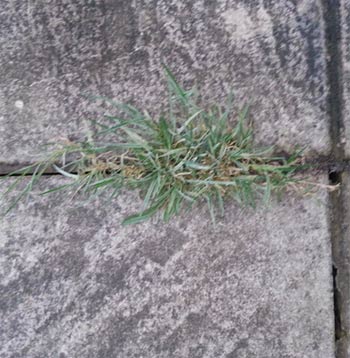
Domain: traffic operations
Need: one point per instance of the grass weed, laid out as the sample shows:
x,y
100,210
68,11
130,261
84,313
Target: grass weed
x,y
189,154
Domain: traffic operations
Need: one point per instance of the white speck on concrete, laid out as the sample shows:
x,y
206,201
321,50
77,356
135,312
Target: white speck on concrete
x,y
19,104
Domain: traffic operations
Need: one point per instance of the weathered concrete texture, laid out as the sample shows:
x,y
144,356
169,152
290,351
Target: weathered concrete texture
x,y
74,283
345,18
270,52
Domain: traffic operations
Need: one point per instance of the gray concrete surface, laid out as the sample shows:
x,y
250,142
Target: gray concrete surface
x,y
74,283
270,52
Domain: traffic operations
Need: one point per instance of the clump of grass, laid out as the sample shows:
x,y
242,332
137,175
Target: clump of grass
x,y
187,155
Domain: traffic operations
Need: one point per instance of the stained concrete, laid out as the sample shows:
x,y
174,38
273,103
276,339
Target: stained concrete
x,y
74,283
270,52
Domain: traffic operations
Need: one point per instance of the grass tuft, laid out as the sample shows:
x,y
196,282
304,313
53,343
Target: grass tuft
x,y
189,154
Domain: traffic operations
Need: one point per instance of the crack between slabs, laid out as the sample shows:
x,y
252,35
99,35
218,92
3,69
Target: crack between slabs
x,y
335,166
340,271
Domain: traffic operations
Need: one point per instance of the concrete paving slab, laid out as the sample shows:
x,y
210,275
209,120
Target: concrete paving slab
x,y
270,52
74,283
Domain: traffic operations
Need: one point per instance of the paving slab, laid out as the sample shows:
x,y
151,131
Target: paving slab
x,y
75,283
270,52
345,20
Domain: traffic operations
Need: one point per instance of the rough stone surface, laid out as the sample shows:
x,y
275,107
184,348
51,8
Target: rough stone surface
x,y
345,17
270,52
74,283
